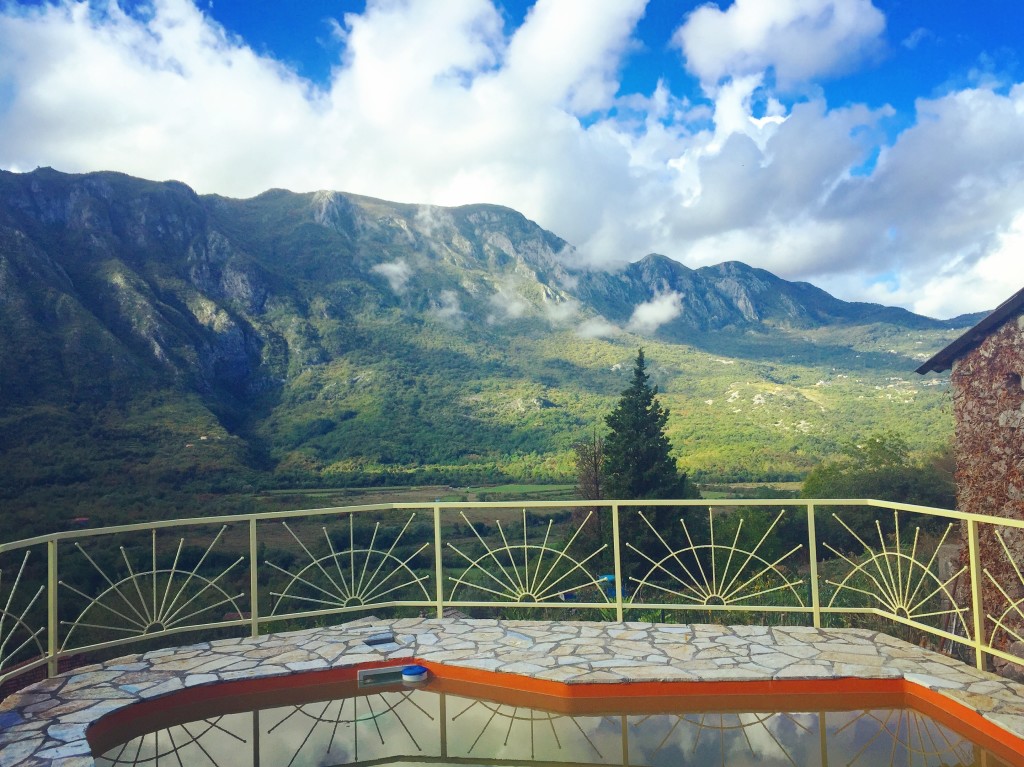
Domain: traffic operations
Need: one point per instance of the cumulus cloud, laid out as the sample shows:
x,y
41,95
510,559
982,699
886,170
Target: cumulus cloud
x,y
165,95
440,104
651,315
798,39
397,273
956,288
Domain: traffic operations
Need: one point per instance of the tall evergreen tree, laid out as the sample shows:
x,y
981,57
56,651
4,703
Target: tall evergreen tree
x,y
638,465
637,460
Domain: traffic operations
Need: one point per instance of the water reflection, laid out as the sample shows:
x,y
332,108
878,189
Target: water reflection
x,y
399,726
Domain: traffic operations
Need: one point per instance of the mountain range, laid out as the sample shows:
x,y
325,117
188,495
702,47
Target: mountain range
x,y
153,340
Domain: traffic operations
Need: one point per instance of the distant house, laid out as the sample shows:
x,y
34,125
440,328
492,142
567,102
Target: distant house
x,y
988,407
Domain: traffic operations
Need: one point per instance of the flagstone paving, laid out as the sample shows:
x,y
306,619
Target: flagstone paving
x,y
46,723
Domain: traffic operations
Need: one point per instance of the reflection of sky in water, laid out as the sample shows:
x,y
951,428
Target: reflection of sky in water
x,y
727,739
344,731
391,727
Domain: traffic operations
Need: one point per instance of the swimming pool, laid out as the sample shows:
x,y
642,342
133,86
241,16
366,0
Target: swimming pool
x,y
449,721
564,664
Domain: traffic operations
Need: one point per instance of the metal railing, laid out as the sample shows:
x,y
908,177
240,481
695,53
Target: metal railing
x,y
910,569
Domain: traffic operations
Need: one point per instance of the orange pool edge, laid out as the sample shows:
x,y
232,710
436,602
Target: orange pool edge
x,y
842,693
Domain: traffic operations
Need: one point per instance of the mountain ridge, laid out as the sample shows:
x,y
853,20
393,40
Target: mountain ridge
x,y
324,333
349,216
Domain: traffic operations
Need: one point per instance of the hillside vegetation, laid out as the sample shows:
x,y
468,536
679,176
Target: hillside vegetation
x,y
160,349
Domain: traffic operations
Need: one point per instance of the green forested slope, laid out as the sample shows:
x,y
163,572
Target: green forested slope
x,y
159,348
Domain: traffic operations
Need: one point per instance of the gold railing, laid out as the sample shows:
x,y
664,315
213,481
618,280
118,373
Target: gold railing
x,y
911,570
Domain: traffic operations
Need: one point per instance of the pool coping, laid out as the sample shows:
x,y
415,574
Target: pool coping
x,y
46,723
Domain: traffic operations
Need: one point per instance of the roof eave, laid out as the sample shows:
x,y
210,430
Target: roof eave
x,y
944,359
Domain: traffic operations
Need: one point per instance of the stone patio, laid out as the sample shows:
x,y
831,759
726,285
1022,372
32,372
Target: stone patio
x,y
45,724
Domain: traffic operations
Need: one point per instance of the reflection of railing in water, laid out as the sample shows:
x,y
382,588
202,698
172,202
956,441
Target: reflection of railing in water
x,y
438,728
812,562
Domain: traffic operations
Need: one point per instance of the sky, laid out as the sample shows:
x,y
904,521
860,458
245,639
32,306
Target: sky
x,y
872,147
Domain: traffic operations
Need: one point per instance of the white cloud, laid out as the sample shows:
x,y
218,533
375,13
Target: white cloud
x,y
651,315
432,221
436,103
397,273
958,289
597,327
169,96
559,312
448,310
799,39
915,38
567,52
507,304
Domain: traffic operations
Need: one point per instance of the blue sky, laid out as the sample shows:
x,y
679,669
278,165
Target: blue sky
x,y
873,147
929,45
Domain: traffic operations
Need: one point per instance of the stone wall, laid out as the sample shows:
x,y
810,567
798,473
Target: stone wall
x,y
988,405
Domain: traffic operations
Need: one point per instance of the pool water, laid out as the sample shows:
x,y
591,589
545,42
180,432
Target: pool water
x,y
443,723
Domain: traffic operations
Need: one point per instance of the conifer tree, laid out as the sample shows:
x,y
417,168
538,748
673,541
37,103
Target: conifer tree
x,y
638,465
637,460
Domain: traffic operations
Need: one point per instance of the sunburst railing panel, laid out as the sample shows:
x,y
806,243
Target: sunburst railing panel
x,y
150,583
1003,608
322,565
534,558
900,565
700,559
23,610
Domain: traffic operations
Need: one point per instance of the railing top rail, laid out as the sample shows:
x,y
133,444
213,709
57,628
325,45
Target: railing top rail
x,y
70,535
223,519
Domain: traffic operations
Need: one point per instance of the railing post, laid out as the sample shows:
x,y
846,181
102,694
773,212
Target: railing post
x,y
254,582
438,571
823,738
812,550
978,609
624,729
442,719
255,737
52,644
617,551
